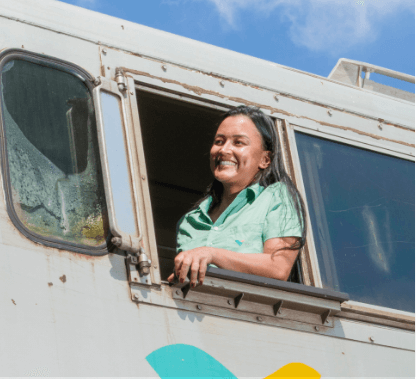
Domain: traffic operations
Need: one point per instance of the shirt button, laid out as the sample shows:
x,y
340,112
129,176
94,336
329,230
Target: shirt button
x,y
215,228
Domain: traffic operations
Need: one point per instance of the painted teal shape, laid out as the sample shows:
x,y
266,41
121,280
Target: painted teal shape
x,y
239,243
186,361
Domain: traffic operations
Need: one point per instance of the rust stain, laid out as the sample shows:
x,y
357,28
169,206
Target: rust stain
x,y
375,136
199,91
50,284
63,278
13,302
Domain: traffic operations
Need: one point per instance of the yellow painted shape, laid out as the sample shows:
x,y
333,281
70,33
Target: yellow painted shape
x,y
295,371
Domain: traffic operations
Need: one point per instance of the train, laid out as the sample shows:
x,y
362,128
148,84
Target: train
x,y
105,129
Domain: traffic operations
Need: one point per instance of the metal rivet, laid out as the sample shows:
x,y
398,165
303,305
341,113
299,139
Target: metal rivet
x,y
317,328
108,67
371,338
23,46
104,51
380,126
222,83
122,27
164,68
327,321
177,292
330,113
229,302
136,296
279,311
198,307
143,177
131,93
147,281
259,318
154,266
276,98
135,279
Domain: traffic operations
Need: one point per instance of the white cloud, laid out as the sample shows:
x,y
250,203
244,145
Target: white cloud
x,y
320,25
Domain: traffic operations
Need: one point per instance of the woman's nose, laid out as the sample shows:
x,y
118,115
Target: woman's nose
x,y
226,147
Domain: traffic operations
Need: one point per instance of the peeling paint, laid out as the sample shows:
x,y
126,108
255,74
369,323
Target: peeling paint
x,y
199,91
62,278
13,302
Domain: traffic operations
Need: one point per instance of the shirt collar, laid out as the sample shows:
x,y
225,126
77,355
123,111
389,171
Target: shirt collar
x,y
251,193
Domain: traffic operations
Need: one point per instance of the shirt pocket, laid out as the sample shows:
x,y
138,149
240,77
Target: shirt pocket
x,y
247,238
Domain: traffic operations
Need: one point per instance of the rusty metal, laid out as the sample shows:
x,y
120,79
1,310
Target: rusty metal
x,y
199,91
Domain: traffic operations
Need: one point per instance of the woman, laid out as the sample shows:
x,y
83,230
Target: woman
x,y
251,219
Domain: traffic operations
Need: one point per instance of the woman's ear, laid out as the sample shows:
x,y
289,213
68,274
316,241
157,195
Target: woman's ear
x,y
265,160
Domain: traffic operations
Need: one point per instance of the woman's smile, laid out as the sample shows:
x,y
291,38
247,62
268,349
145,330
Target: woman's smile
x,y
237,153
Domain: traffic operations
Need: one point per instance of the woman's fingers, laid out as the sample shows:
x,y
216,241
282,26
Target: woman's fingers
x,y
171,277
194,271
178,263
202,270
186,264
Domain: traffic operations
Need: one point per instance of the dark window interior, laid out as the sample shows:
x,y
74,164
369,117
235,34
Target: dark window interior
x,y
177,137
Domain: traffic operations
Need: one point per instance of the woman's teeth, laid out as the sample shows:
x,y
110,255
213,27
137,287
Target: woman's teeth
x,y
227,163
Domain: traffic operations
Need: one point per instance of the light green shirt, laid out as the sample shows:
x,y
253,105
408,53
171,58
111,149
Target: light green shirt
x,y
256,215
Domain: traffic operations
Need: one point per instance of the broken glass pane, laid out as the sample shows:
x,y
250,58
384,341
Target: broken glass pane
x,y
55,174
361,206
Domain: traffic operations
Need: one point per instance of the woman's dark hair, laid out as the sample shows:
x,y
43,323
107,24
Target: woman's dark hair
x,y
274,173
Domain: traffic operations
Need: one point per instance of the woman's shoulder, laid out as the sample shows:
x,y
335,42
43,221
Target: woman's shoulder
x,y
277,193
277,189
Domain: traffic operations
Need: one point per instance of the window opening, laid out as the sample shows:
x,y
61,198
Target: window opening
x,y
361,205
55,183
177,137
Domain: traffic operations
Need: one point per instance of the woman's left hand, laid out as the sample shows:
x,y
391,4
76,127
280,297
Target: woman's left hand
x,y
196,260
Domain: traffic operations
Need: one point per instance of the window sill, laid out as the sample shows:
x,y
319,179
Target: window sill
x,y
249,298
377,315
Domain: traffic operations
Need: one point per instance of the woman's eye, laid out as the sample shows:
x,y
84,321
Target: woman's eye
x,y
217,142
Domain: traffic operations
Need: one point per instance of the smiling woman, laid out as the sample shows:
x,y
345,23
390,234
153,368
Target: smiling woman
x,y
251,219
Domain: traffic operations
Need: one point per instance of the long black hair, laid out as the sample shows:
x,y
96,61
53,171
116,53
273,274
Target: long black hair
x,y
275,172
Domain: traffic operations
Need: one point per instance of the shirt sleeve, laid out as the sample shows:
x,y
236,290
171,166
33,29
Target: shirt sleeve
x,y
281,219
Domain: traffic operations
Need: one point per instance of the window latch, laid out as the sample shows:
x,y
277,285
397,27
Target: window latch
x,y
138,268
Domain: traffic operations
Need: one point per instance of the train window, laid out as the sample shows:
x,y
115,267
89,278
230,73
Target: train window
x,y
361,205
55,190
177,137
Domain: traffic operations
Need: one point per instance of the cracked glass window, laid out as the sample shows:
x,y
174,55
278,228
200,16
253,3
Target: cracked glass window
x,y
52,150
361,205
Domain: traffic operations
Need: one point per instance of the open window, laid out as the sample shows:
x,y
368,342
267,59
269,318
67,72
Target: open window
x,y
49,151
177,135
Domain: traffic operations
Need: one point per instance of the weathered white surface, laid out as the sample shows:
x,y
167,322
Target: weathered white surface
x,y
88,326
166,47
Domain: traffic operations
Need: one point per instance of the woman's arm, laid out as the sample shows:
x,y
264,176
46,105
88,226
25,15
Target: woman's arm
x,y
276,266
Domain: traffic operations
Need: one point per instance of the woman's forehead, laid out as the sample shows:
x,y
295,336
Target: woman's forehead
x,y
239,125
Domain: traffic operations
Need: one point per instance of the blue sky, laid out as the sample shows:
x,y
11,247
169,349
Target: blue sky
x,y
310,35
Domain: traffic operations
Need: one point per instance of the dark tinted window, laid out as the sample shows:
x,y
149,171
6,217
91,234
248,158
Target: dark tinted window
x,y
361,205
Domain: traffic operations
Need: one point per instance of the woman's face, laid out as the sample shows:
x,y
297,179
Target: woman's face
x,y
237,153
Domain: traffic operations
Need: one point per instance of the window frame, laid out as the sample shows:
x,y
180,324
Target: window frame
x,y
350,309
87,79
166,292
144,80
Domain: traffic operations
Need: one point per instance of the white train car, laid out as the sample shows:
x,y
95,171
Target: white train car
x,y
105,129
